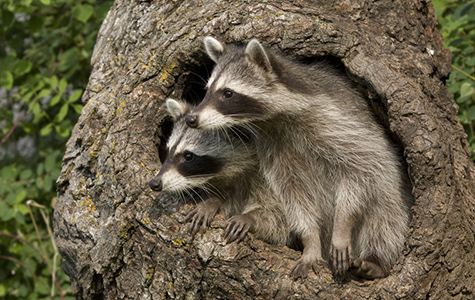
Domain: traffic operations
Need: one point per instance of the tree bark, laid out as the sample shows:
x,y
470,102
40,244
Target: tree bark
x,y
121,240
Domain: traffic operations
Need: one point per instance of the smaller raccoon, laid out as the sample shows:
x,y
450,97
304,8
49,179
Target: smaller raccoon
x,y
222,164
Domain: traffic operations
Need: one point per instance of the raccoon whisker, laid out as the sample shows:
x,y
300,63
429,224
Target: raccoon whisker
x,y
182,195
236,132
196,96
213,190
187,191
244,115
197,194
201,175
251,126
226,133
200,77
252,129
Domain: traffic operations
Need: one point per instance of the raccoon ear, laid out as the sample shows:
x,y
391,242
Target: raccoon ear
x,y
213,48
177,109
257,54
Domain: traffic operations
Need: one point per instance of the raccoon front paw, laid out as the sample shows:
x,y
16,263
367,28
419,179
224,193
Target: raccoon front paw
x,y
237,227
341,255
303,266
199,221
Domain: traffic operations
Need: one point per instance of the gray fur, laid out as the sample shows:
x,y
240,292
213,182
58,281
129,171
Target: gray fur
x,y
213,48
323,154
237,189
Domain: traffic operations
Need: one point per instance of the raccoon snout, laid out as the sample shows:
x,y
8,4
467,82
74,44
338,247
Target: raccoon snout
x,y
191,121
156,185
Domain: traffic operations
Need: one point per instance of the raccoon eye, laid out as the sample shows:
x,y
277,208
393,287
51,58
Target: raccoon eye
x,y
189,156
228,94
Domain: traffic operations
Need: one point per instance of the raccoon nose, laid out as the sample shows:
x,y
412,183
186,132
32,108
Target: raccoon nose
x,y
191,121
156,185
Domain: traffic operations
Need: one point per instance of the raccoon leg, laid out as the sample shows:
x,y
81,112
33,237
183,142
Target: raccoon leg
x,y
348,204
266,221
203,214
311,256
367,269
341,252
237,227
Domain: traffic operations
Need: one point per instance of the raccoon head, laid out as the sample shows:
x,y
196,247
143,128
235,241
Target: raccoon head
x,y
195,157
239,87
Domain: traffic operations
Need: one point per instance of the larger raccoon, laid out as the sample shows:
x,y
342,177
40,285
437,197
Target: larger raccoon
x,y
223,164
322,151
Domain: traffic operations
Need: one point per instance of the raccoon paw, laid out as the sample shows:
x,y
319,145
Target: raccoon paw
x,y
199,221
200,218
302,267
366,269
341,256
237,227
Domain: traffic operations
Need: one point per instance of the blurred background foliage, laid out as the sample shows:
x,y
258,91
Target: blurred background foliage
x,y
45,52
457,24
45,49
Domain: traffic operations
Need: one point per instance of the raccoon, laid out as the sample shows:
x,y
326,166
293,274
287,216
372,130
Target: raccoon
x,y
222,165
340,178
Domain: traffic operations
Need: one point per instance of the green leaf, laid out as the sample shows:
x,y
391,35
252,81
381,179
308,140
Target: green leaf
x,y
26,174
46,130
471,113
55,100
21,196
47,183
22,208
53,81
6,80
22,67
50,163
3,290
75,96
46,2
10,199
78,108
462,10
39,169
466,89
6,213
43,93
62,131
39,183
82,13
63,84
20,218
63,112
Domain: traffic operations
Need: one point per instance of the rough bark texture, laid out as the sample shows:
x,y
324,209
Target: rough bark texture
x,y
120,241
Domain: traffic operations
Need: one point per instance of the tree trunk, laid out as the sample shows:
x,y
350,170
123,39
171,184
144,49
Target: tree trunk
x,y
121,240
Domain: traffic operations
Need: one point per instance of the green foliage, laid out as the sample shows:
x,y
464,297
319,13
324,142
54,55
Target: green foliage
x,y
457,25
45,52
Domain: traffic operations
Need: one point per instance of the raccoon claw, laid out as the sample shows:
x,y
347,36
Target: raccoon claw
x,y
199,221
237,228
202,215
301,268
341,258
